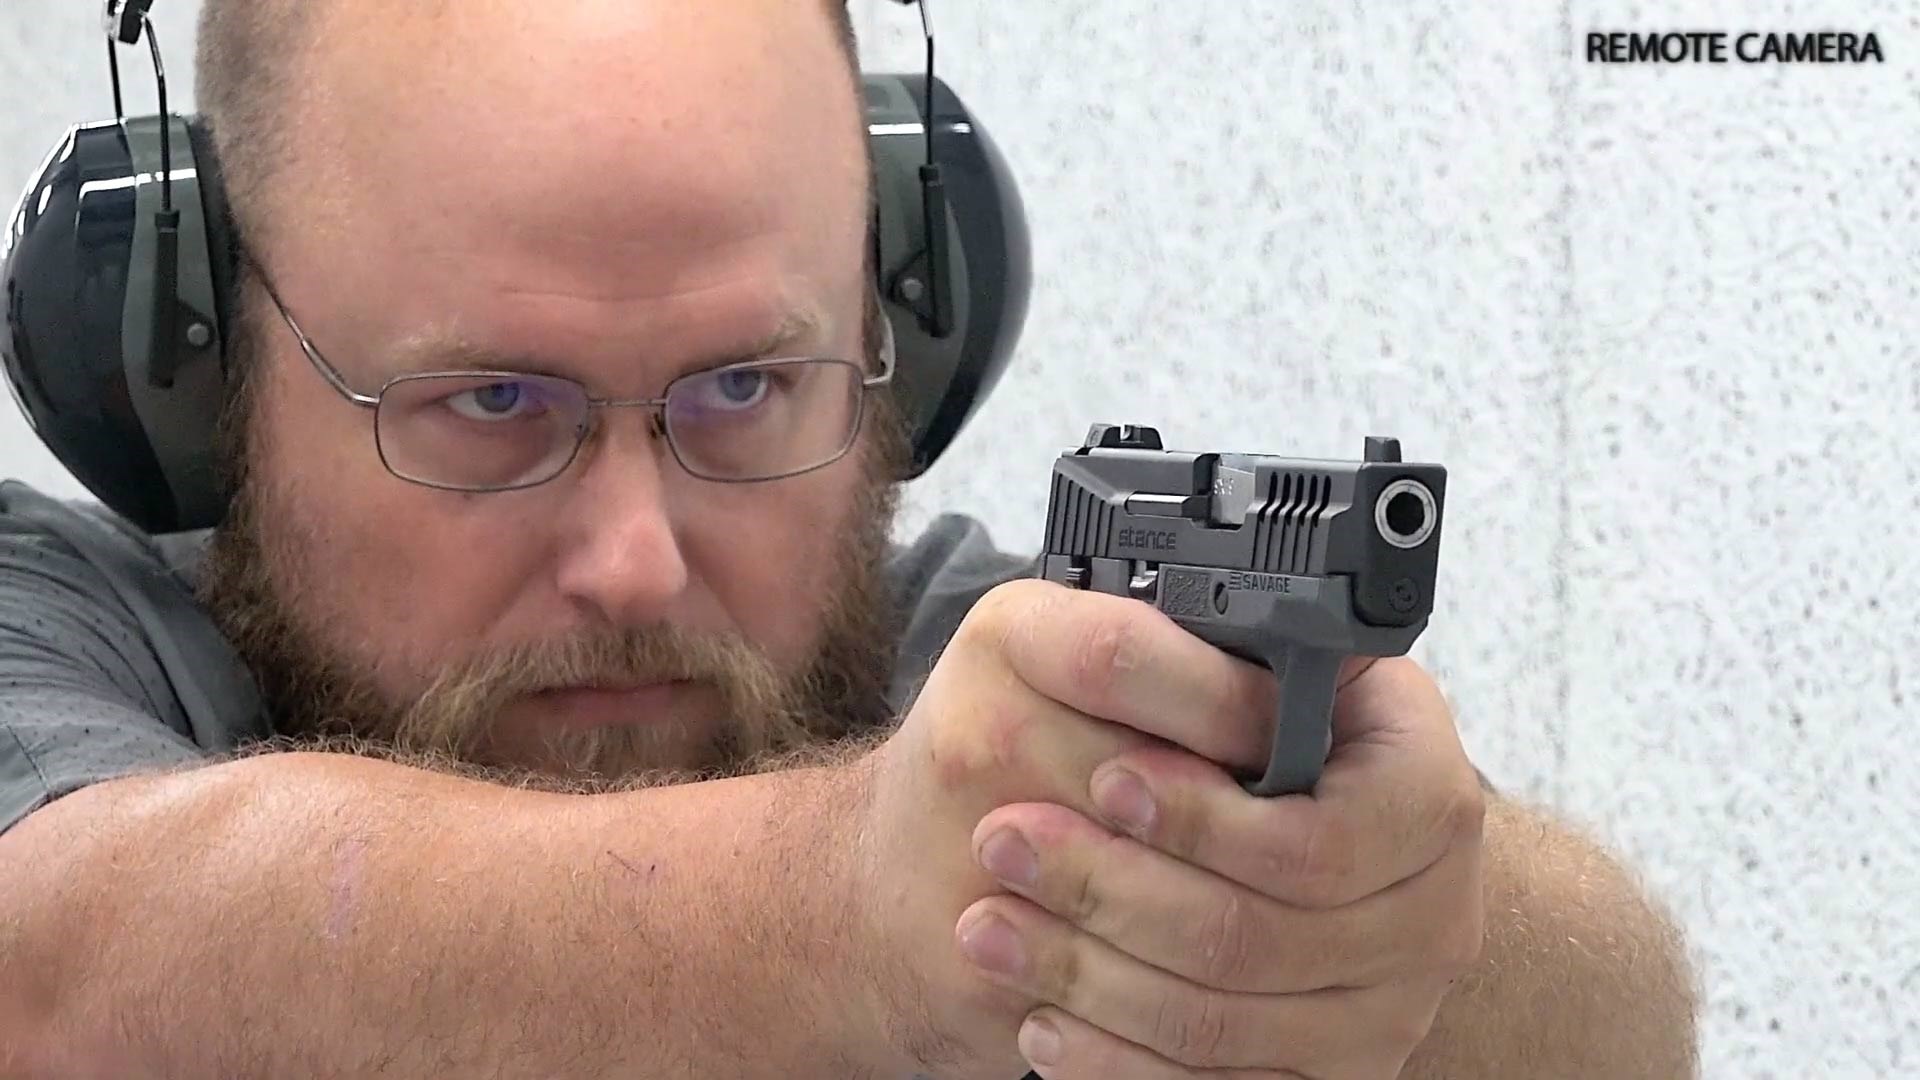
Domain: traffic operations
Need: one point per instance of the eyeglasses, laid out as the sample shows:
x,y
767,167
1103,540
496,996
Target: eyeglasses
x,y
488,431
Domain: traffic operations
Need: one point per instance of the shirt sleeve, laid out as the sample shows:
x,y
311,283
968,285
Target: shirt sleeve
x,y
83,694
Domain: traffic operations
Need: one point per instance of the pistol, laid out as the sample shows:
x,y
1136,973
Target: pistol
x,y
1291,563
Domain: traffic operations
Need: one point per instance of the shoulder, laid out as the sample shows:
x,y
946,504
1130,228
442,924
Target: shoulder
x,y
31,519
67,552
86,552
937,578
954,552
92,592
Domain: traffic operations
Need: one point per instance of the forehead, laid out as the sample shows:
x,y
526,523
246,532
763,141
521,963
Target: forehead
x,y
627,136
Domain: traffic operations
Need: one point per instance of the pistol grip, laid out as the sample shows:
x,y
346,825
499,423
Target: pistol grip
x,y
1303,725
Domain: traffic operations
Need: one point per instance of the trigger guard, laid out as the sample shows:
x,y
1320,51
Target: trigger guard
x,y
1303,724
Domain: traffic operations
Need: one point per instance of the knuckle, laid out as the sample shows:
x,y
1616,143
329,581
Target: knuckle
x,y
1183,829
1065,967
996,614
1004,617
1004,736
1460,946
952,758
1087,903
978,742
1403,1030
1102,652
1226,945
1317,872
1191,1028
1464,812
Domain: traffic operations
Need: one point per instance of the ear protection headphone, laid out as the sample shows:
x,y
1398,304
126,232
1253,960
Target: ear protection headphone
x,y
119,270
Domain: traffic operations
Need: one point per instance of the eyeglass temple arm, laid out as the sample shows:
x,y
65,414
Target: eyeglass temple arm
x,y
314,357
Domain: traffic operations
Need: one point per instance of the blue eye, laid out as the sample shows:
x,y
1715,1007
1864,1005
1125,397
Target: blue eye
x,y
728,390
495,401
741,387
497,398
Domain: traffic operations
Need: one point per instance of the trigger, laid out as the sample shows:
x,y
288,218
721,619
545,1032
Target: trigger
x,y
1145,584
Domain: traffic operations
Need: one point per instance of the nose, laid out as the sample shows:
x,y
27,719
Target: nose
x,y
623,559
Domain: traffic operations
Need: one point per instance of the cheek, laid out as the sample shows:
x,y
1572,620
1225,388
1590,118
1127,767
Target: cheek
x,y
396,570
770,554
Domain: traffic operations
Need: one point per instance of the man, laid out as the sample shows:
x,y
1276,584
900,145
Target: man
x,y
626,794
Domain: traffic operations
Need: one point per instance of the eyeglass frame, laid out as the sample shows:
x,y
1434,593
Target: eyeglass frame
x,y
333,378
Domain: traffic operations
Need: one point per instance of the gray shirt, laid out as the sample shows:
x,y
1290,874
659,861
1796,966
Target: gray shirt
x,y
109,667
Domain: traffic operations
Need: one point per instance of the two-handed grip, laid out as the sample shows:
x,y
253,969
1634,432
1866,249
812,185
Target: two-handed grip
x,y
1303,730
1308,678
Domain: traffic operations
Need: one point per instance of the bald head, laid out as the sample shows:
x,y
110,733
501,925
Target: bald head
x,y
260,62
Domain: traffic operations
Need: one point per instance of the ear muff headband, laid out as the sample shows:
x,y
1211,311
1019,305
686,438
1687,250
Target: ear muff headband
x,y
134,420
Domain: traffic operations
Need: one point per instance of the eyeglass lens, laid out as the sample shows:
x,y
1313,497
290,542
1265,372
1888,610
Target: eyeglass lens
x,y
492,431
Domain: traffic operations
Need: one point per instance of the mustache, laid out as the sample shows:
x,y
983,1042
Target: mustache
x,y
454,711
601,657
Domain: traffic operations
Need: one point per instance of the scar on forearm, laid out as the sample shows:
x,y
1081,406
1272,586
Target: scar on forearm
x,y
631,869
349,861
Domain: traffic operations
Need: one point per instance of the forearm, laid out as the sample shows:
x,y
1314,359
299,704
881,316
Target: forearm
x,y
319,914
1582,974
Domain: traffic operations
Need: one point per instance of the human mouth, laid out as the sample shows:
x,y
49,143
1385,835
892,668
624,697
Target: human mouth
x,y
608,705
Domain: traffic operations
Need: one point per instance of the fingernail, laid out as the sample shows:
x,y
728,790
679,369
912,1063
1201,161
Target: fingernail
x,y
1039,1041
992,944
1123,797
1006,856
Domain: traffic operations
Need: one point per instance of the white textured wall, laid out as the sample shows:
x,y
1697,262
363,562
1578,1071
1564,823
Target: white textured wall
x,y
1658,322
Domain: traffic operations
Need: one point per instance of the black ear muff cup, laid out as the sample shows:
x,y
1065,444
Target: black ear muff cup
x,y
941,380
131,418
65,272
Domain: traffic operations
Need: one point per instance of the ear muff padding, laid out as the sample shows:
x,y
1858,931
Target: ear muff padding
x,y
941,381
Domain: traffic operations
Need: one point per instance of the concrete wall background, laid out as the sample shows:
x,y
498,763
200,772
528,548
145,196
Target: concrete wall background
x,y
1658,322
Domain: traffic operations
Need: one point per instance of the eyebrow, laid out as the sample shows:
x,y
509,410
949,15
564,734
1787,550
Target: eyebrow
x,y
440,350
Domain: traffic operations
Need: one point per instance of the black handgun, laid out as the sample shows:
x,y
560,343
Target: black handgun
x,y
1291,563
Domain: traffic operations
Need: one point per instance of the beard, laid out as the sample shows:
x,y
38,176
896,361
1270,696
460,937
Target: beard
x,y
322,695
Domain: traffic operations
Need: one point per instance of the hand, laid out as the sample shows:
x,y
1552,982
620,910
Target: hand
x,y
1192,926
1304,937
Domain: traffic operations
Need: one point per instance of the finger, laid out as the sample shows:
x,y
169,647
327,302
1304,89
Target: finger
x,y
1038,955
1015,745
1122,660
1035,954
1353,668
1061,1046
1384,811
1391,701
1217,933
